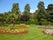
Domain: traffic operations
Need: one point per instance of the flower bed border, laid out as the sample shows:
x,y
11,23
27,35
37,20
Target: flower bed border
x,y
46,27
23,32
51,34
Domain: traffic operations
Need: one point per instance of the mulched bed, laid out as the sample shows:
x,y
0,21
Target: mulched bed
x,y
48,32
18,29
21,32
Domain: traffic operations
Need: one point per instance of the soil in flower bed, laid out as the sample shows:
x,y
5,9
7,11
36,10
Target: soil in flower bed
x,y
8,30
17,29
48,32
19,26
47,27
13,32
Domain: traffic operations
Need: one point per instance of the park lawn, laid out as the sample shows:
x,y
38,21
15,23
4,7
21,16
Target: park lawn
x,y
34,33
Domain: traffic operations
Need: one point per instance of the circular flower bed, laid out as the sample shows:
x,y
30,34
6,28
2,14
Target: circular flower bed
x,y
20,29
48,27
16,31
48,32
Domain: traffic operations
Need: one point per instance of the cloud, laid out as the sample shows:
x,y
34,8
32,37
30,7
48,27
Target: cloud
x,y
32,11
45,7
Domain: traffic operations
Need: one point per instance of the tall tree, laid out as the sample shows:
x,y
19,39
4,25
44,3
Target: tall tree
x,y
12,19
2,19
42,14
26,13
27,9
15,8
50,12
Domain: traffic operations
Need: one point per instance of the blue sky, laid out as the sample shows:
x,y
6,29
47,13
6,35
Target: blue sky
x,y
6,5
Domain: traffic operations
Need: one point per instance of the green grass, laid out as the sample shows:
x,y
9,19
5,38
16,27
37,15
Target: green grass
x,y
34,33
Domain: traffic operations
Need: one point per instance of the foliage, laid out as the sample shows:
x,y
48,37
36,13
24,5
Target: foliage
x,y
40,16
24,18
50,11
26,13
15,8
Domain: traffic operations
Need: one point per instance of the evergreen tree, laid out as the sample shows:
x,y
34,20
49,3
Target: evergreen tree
x,y
15,8
42,14
26,13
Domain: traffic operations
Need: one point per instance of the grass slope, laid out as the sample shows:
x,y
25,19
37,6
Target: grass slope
x,y
34,34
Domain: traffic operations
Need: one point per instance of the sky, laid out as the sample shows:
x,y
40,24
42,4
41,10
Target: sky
x,y
6,5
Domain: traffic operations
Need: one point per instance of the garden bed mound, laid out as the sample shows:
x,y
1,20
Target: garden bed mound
x,y
46,27
2,31
20,29
48,32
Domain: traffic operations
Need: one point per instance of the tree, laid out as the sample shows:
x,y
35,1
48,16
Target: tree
x,y
12,19
42,14
2,19
50,12
26,13
15,8
27,10
24,18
